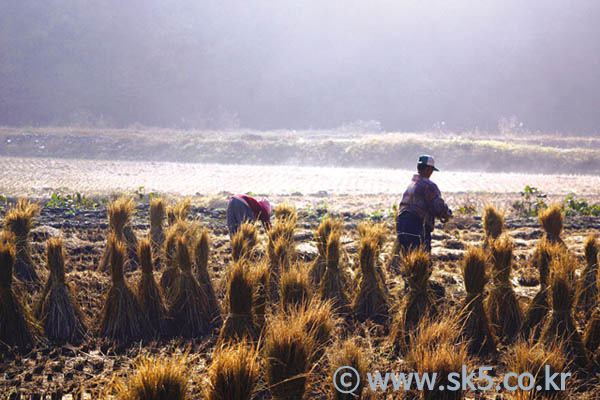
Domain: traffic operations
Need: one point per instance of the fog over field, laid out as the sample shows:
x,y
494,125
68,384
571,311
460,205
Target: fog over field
x,y
447,65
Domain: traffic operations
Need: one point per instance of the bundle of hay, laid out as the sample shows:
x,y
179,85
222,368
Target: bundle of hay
x,y
243,242
326,228
474,320
591,337
493,224
239,323
56,310
538,307
171,271
121,318
260,283
319,323
285,211
294,288
371,301
552,220
16,326
419,301
588,289
279,262
378,233
19,221
155,377
287,352
233,373
119,213
149,296
282,229
348,354
201,253
502,305
179,211
157,232
332,285
559,325
188,309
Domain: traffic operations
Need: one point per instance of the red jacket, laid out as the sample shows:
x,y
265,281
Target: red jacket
x,y
260,213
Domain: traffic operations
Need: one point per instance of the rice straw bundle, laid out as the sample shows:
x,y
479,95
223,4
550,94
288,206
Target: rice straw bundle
x,y
419,302
588,288
56,310
157,232
188,309
371,301
493,224
260,283
474,320
121,318
279,261
16,325
201,254
552,220
502,305
559,325
179,211
319,323
327,227
348,354
243,242
332,287
378,232
286,211
19,221
149,296
171,271
239,324
233,373
119,213
294,288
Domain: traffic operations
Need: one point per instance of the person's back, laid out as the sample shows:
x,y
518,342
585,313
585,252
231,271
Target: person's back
x,y
242,208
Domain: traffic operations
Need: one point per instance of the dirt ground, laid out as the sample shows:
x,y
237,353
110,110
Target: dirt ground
x,y
84,371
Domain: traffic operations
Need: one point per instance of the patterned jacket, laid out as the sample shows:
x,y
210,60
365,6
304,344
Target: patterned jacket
x,y
422,197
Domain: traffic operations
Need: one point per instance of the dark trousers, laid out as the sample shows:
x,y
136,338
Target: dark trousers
x,y
237,213
412,232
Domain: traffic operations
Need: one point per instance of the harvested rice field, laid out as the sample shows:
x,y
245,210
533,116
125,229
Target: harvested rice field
x,y
202,312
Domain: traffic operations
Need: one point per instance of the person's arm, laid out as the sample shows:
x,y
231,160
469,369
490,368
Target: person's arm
x,y
436,204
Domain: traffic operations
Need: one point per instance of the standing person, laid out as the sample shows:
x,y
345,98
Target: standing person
x,y
242,208
421,204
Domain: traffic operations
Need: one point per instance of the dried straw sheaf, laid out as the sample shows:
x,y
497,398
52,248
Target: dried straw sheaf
x,y
201,255
171,271
239,323
283,229
16,325
493,224
552,220
333,285
560,325
295,290
19,221
157,231
57,311
474,320
119,212
539,307
148,294
279,260
326,228
348,354
378,233
121,318
502,304
319,323
371,301
286,211
588,287
244,241
188,309
419,302
288,354
233,373
260,297
179,211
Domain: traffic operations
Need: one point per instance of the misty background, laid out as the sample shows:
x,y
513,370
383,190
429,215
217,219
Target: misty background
x,y
263,64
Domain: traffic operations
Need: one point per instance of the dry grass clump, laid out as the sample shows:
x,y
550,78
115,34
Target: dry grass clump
x,y
588,289
157,232
244,241
233,373
552,220
378,233
155,378
371,301
474,320
282,229
559,325
502,304
188,309
279,259
419,302
121,318
326,228
539,306
56,310
526,356
319,323
119,213
493,224
295,288
239,323
19,221
148,295
591,338
332,285
171,271
179,211
285,211
287,353
201,254
16,326
260,282
348,354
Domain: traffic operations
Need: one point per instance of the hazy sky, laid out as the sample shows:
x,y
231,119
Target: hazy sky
x,y
302,64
